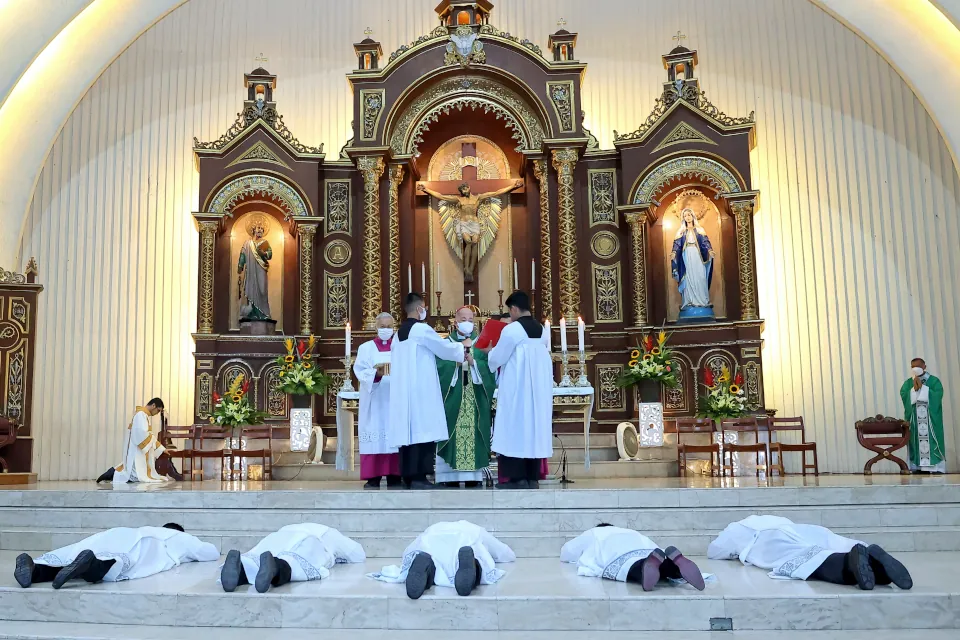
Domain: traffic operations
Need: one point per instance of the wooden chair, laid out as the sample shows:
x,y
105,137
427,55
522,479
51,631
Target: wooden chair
x,y
189,436
211,433
696,425
742,426
8,435
883,435
779,448
262,432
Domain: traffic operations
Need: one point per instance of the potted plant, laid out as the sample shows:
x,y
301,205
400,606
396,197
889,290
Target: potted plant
x,y
650,368
233,409
724,398
301,379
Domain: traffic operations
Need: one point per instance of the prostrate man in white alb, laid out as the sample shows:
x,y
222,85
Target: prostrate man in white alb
x,y
295,553
144,457
523,429
417,419
807,552
449,554
114,555
628,556
377,458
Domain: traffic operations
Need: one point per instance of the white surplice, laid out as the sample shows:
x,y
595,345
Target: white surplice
x,y
443,542
374,415
607,552
524,423
787,550
138,552
310,549
416,404
140,452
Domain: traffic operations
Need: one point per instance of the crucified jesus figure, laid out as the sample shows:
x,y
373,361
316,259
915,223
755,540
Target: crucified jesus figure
x,y
469,227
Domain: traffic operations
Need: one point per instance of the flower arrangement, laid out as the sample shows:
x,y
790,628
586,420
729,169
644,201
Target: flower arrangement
x,y
724,397
233,409
299,376
651,361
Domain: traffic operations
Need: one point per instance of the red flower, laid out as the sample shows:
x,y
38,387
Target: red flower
x,y
669,369
301,347
648,343
216,397
738,380
708,377
246,386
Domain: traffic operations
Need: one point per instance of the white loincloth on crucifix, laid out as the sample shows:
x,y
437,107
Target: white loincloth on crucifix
x,y
482,165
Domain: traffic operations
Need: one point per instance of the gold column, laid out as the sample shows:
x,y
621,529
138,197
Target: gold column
x,y
541,172
743,214
371,168
306,231
564,161
396,178
208,241
638,236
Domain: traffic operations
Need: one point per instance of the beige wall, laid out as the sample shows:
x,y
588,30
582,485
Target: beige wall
x,y
856,235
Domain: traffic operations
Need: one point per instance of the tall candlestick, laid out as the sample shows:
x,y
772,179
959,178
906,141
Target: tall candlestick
x,y
563,335
423,277
500,274
348,340
546,327
409,278
516,280
533,275
436,285
580,328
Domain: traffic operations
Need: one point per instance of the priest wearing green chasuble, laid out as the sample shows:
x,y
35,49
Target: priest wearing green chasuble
x,y
922,396
467,391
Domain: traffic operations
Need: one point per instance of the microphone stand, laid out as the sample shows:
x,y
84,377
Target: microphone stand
x,y
563,462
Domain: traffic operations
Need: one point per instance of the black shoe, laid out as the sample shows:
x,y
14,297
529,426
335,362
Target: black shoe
x,y
472,484
533,484
106,476
24,571
231,572
451,485
173,473
420,485
394,482
466,578
372,483
514,484
75,569
688,570
858,564
267,572
888,569
420,575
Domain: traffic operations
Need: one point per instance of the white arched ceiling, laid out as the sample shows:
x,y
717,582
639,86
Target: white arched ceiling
x,y
949,8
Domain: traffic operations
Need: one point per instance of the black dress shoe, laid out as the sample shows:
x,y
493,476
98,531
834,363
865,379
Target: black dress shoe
x,y
420,575
467,576
106,476
858,564
373,483
24,571
267,572
472,484
514,484
422,484
75,569
888,569
231,572
533,484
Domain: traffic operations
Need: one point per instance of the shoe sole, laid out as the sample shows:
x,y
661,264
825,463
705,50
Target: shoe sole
x,y
24,571
230,574
79,566
267,572
689,571
860,567
466,578
417,577
894,568
650,574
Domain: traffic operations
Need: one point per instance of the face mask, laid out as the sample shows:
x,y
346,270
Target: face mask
x,y
465,328
422,314
917,371
385,333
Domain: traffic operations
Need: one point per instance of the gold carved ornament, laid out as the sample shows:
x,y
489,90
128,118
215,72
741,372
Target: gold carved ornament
x,y
306,233
250,115
396,178
208,239
204,395
602,198
371,105
371,168
606,293
743,214
338,253
337,298
692,96
612,396
561,97
638,228
337,206
541,172
564,161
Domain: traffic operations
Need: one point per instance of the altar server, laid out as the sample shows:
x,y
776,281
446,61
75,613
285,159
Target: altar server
x,y
449,554
377,458
807,552
295,553
628,556
115,555
523,429
143,453
417,419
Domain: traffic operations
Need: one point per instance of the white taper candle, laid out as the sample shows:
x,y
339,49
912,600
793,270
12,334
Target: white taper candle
x,y
580,328
348,340
563,335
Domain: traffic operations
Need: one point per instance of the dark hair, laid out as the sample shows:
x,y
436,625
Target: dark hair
x,y
520,300
157,402
920,360
173,525
504,316
604,524
412,302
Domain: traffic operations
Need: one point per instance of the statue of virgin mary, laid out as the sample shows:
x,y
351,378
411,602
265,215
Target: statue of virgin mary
x,y
691,261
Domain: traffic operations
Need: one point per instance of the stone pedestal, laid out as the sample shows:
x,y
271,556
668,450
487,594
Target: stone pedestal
x,y
258,327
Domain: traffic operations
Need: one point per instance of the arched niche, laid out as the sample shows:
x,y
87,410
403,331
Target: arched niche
x,y
278,238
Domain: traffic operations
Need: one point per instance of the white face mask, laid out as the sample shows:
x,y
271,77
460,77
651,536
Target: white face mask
x,y
422,314
465,328
385,333
917,371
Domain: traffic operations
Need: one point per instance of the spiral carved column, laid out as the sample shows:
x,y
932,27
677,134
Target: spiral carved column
x,y
396,178
638,238
371,168
564,161
208,242
541,172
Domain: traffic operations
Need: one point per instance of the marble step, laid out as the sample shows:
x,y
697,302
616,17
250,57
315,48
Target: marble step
x,y
534,595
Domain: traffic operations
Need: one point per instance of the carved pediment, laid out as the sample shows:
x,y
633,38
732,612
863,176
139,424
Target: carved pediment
x,y
259,152
692,98
683,133
252,114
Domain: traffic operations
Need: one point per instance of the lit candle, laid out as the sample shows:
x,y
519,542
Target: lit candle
x,y
516,280
348,339
533,275
500,275
546,327
409,278
563,335
423,277
580,328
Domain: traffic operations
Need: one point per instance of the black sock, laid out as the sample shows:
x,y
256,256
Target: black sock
x,y
283,573
669,569
479,573
834,570
635,574
98,569
44,573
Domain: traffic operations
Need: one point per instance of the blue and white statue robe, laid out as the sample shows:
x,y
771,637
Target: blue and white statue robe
x,y
692,267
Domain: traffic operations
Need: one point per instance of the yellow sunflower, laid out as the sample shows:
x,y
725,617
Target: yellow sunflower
x,y
211,420
237,397
648,356
632,363
290,367
288,359
307,356
734,389
307,365
656,351
283,373
635,354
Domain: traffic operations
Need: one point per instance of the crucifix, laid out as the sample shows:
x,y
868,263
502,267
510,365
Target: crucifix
x,y
679,37
261,59
561,22
467,194
469,295
367,32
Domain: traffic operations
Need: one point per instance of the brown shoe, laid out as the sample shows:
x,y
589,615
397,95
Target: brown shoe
x,y
689,571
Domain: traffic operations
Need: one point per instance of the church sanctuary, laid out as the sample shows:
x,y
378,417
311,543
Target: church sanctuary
x,y
394,319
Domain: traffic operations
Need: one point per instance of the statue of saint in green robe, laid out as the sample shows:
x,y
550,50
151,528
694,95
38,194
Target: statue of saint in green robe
x,y
923,409
468,411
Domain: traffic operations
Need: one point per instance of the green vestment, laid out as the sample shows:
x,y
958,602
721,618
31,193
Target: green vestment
x,y
926,424
467,408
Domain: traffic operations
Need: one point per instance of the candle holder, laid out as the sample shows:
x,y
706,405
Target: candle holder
x,y
347,381
500,293
565,370
582,380
439,311
533,302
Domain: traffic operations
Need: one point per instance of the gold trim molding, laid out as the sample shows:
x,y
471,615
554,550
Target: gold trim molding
x,y
393,250
541,172
371,168
564,162
638,233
